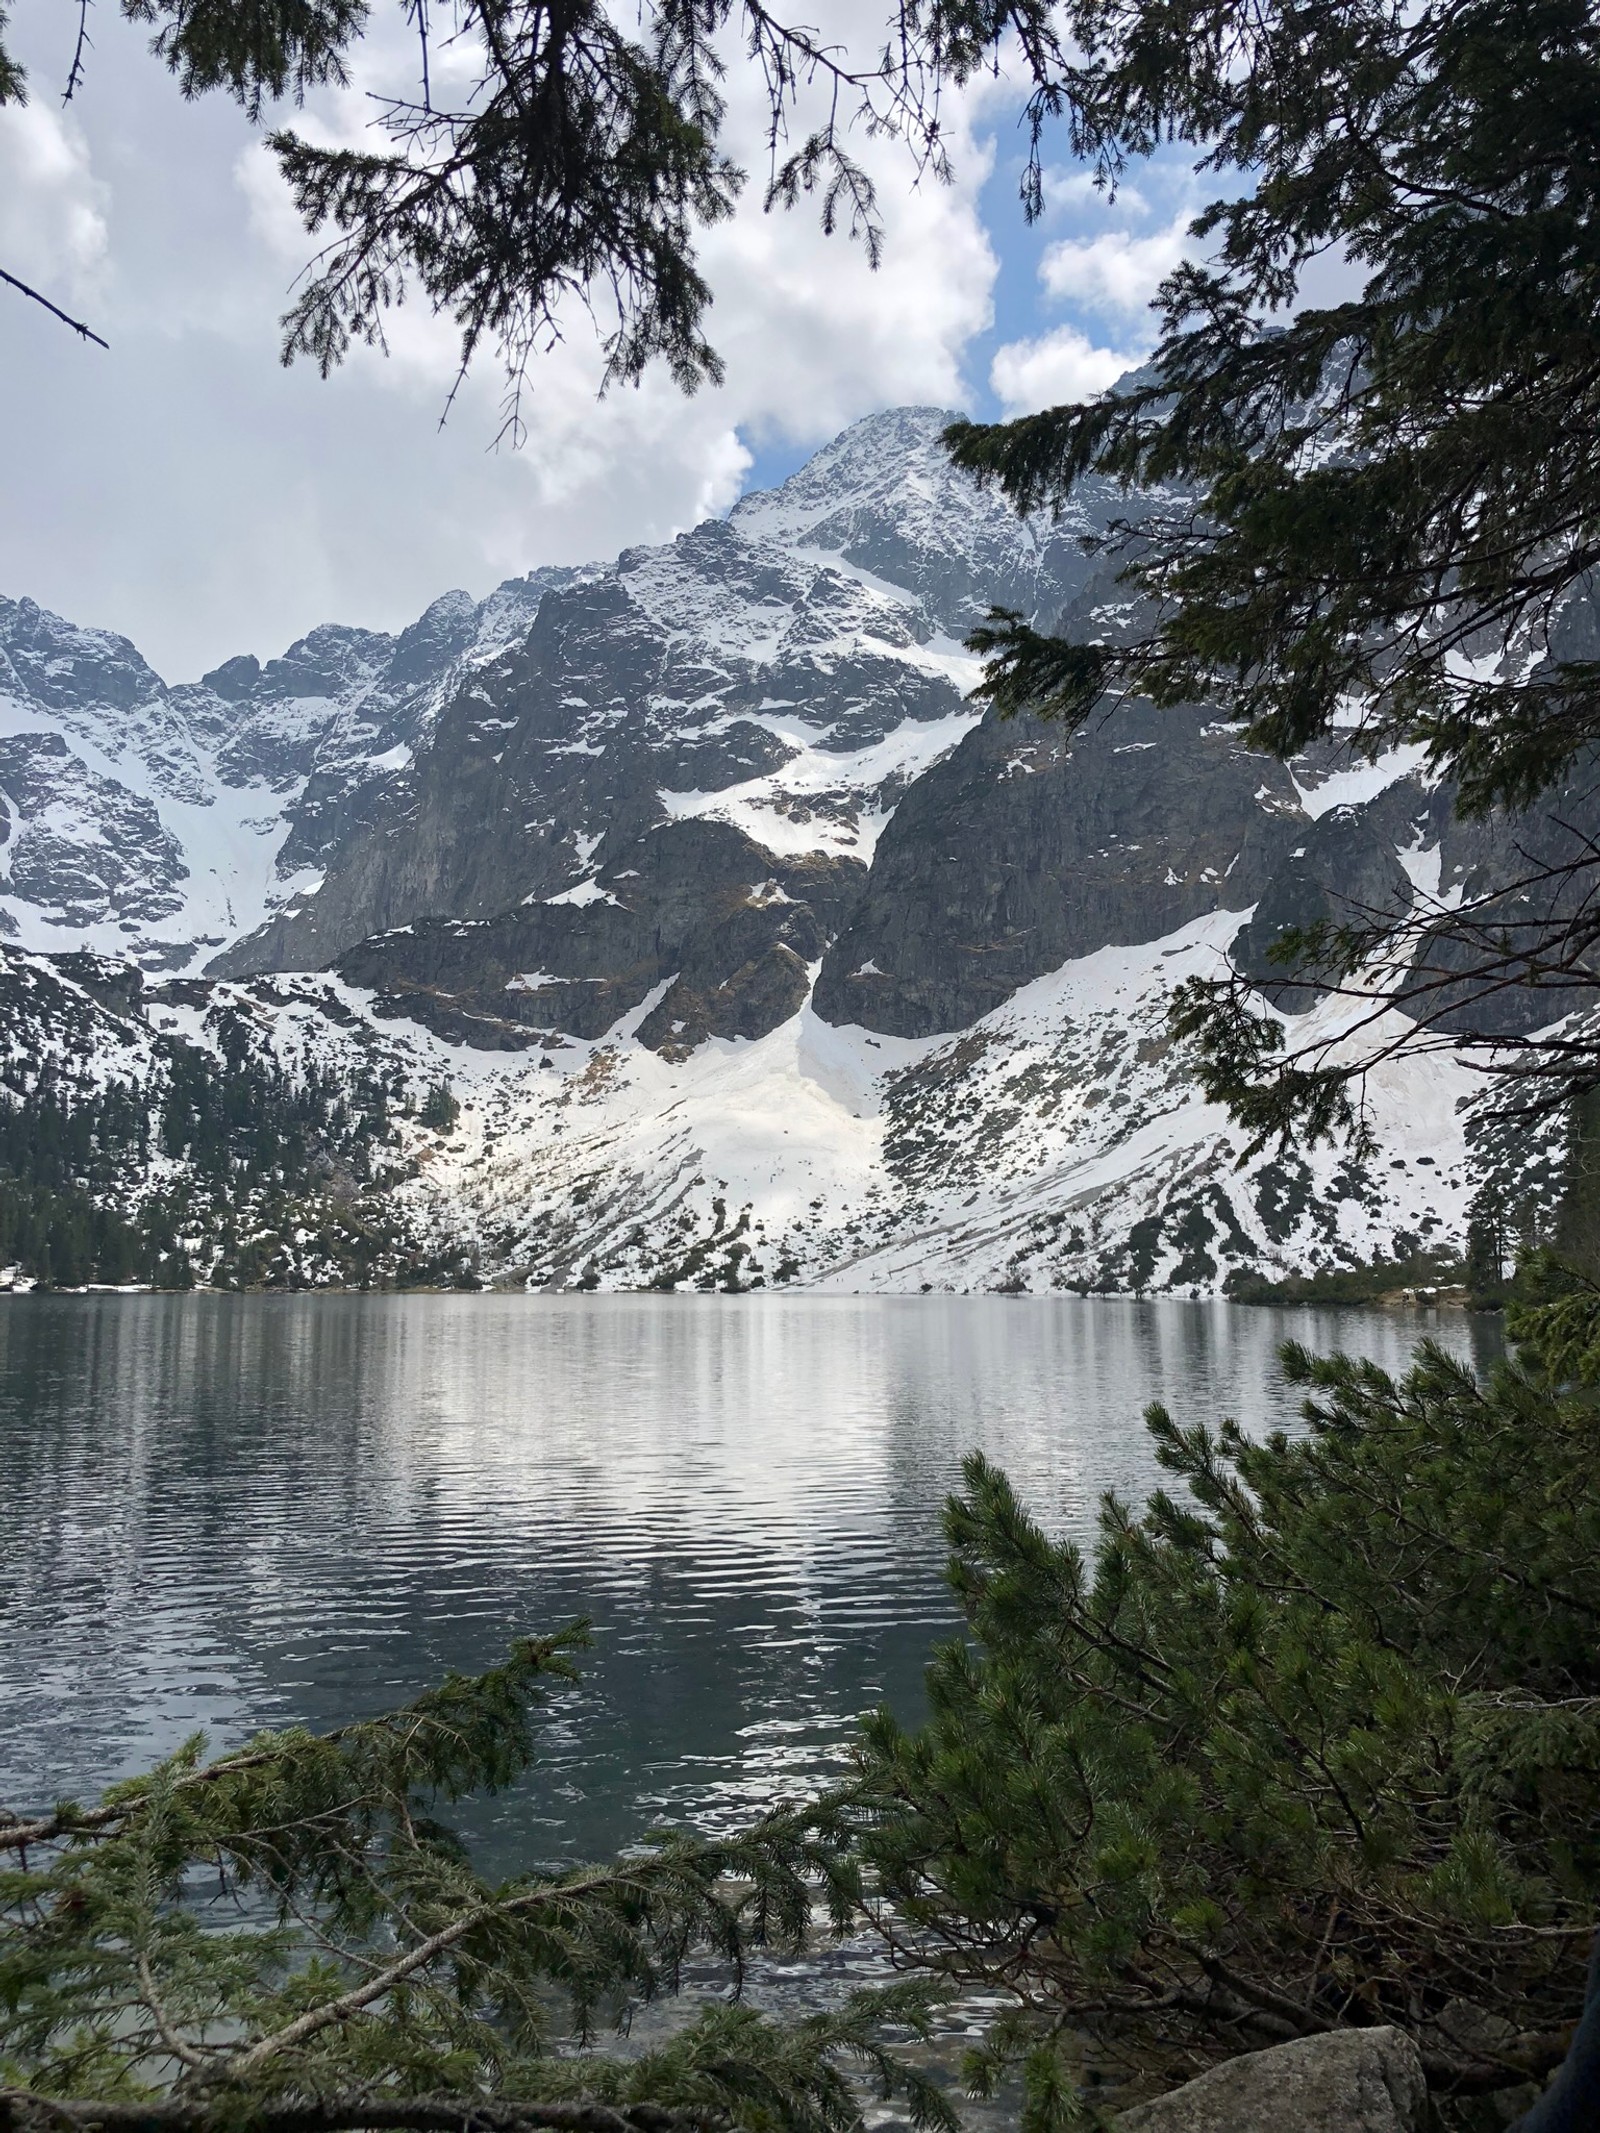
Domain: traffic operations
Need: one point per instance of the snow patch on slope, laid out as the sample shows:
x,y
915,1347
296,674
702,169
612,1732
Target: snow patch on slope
x,y
1060,1142
819,800
1358,782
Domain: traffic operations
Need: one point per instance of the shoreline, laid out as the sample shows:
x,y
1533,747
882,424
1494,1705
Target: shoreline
x,y
1388,1302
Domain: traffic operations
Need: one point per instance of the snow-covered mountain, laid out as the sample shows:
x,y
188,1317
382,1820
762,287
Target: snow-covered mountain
x,y
162,822
751,951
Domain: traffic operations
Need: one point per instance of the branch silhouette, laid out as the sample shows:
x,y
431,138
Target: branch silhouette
x,y
87,332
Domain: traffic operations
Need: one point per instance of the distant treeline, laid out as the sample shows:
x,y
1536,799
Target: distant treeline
x,y
221,1159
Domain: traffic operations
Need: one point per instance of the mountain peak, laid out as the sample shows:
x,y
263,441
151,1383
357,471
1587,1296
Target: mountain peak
x,y
879,459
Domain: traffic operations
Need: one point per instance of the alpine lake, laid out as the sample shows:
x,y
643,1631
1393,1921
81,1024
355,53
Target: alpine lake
x,y
225,1513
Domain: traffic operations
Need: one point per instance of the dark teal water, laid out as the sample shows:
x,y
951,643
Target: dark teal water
x,y
224,1513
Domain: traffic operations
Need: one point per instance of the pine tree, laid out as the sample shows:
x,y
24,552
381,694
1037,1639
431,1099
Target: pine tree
x,y
289,1938
580,167
1312,1742
440,1110
1485,1262
1382,510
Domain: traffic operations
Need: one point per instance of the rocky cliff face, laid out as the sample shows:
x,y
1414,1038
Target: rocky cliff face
x,y
790,670
753,952
716,933
1027,848
160,822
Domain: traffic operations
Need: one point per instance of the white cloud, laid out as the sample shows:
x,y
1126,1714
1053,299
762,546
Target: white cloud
x,y
187,490
1057,368
1072,191
270,212
52,207
811,335
1114,271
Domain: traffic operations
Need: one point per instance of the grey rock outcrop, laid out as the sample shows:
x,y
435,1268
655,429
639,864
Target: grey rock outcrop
x,y
1353,2081
689,676
130,805
1028,846
1342,871
698,908
899,509
545,785
131,863
1520,874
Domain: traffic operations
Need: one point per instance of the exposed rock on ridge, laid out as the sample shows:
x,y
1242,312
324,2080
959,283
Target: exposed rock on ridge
x,y
159,822
790,669
754,954
728,930
1028,847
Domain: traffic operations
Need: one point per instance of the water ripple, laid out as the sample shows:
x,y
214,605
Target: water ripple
x,y
229,1513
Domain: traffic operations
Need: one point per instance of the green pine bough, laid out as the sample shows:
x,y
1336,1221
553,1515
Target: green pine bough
x,y
1366,511
289,1939
1312,1742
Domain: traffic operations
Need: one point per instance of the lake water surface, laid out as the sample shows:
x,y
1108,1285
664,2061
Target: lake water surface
x,y
224,1513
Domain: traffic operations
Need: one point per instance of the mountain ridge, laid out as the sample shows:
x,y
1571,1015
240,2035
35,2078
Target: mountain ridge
x,y
638,855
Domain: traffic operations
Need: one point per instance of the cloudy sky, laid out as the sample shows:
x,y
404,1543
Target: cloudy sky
x,y
187,490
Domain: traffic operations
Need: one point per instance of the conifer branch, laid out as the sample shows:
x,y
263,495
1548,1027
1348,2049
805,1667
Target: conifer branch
x,y
428,1729
85,332
556,1896
79,53
27,2111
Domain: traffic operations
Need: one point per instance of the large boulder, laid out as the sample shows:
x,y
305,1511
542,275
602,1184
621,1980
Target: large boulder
x,y
1353,2081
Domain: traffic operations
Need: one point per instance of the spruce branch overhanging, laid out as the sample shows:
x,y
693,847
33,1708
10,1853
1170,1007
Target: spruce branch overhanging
x,y
1374,521
288,1936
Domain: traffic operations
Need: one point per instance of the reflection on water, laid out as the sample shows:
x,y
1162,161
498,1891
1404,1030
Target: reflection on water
x,y
231,1512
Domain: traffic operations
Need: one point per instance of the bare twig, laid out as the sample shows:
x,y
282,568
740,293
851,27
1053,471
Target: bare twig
x,y
418,10
66,318
75,71
178,2046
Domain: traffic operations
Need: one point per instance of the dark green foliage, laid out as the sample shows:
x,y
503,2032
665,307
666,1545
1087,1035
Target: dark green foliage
x,y
580,166
62,1152
246,1113
1313,1741
586,159
56,1133
1483,1269
280,1177
1552,1289
289,1938
440,1110
61,1148
13,88
1386,479
1553,1309
1027,670
64,1239
173,1271
272,49
1353,1284
577,170
1577,1227
1383,507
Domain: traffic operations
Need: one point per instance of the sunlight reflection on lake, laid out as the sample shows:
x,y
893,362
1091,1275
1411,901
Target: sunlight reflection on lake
x,y
234,1512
